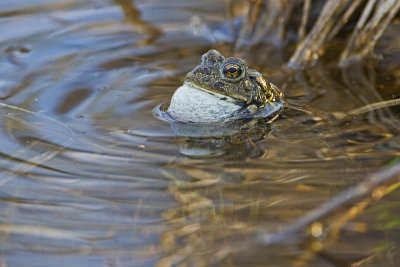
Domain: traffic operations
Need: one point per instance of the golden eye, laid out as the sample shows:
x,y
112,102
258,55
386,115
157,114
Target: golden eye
x,y
232,70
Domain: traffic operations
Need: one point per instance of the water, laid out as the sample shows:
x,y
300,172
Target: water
x,y
91,177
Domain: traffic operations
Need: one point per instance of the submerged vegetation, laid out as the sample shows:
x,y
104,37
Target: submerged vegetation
x,y
345,33
90,176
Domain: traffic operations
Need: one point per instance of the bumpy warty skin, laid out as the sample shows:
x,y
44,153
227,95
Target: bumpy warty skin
x,y
222,89
250,87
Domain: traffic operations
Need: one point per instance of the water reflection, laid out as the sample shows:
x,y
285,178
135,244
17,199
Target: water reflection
x,y
89,177
238,139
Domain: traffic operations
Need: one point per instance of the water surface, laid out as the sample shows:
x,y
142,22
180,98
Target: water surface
x,y
91,177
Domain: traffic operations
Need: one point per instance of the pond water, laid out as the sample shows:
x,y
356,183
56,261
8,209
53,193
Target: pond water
x,y
90,176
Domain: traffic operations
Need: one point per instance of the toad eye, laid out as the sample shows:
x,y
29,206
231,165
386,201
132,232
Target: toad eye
x,y
232,70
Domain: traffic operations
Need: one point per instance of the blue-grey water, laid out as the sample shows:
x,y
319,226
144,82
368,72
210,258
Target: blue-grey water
x,y
90,176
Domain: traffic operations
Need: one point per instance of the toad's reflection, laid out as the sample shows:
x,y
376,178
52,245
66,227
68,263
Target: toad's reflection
x,y
223,107
237,139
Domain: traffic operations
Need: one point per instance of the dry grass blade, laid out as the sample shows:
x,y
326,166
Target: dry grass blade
x,y
344,19
311,47
336,225
367,32
40,231
272,22
304,19
369,185
375,106
265,21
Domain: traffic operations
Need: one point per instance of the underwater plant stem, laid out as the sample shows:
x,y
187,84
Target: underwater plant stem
x,y
357,191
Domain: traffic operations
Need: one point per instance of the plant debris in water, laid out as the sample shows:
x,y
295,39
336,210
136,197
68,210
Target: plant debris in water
x,y
91,178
